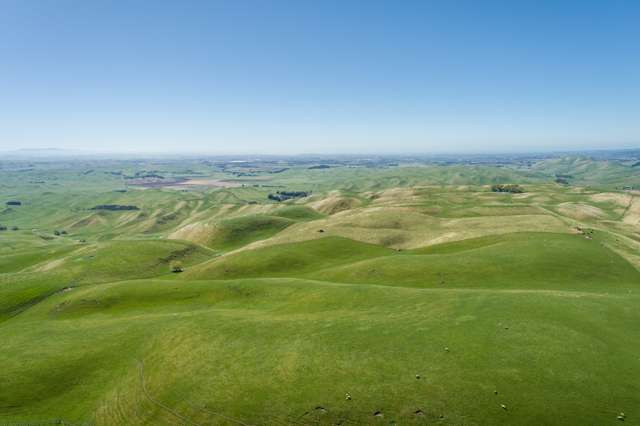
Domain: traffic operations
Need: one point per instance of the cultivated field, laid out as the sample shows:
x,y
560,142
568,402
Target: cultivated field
x,y
375,293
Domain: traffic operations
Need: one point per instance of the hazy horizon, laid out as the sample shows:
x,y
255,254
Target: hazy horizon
x,y
52,153
287,77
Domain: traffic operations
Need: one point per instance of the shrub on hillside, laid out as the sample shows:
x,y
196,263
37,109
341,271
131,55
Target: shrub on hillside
x,y
176,267
512,188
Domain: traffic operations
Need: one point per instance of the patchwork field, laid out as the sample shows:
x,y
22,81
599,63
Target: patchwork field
x,y
395,294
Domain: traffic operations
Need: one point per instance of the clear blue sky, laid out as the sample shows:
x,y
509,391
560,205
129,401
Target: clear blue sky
x,y
319,76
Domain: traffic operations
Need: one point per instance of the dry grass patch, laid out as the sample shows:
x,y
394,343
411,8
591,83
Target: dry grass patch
x,y
632,216
407,228
91,220
335,203
199,233
622,200
580,211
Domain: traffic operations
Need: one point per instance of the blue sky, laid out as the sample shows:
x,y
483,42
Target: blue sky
x,y
319,76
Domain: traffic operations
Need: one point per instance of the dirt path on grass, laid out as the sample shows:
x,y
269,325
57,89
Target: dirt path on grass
x,y
158,403
632,214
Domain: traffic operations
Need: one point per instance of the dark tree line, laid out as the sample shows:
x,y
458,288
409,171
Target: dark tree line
x,y
114,207
512,188
286,195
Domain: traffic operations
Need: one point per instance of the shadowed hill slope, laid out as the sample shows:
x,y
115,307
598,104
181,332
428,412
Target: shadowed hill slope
x,y
287,259
518,261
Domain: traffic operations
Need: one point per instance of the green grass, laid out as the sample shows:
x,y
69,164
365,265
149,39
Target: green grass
x,y
92,264
23,259
236,232
267,351
297,213
95,329
287,259
513,261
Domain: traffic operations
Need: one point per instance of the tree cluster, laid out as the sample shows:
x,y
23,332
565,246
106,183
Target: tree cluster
x,y
286,195
512,188
114,207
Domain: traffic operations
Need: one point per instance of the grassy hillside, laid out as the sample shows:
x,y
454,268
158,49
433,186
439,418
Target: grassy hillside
x,y
288,259
237,232
511,261
408,294
585,171
90,265
288,351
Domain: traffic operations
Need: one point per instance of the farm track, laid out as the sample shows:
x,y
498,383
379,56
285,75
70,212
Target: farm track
x,y
158,403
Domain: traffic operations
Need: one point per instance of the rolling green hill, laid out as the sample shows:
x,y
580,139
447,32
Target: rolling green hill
x,y
514,261
236,232
288,259
410,294
267,351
